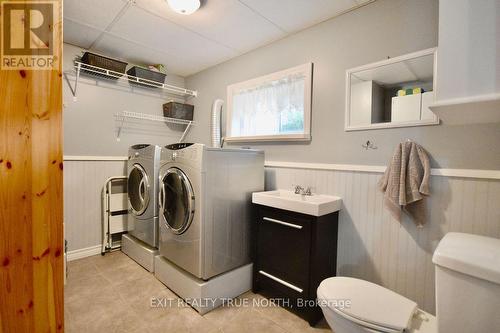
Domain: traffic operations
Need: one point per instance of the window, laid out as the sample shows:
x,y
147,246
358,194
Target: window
x,y
272,107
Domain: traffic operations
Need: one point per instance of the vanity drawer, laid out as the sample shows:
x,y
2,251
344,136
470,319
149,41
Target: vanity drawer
x,y
286,216
280,286
283,246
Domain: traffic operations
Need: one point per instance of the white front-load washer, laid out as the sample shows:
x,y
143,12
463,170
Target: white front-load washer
x,y
142,189
205,206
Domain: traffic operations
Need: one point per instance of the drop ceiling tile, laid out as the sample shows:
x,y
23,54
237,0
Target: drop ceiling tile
x,y
79,34
97,13
183,64
139,26
293,15
149,31
228,22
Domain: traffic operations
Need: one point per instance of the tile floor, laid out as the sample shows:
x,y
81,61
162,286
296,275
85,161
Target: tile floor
x,y
113,294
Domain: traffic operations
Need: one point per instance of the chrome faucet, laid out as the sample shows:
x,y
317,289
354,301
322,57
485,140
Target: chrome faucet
x,y
300,190
308,191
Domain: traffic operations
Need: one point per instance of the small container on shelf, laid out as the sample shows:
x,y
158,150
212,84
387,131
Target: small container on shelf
x,y
146,77
103,63
178,110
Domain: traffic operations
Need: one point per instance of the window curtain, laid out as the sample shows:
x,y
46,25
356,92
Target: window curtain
x,y
275,107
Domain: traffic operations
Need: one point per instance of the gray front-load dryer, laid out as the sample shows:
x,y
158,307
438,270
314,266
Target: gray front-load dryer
x,y
205,206
142,188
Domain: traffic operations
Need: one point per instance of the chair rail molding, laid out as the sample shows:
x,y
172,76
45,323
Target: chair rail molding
x,y
462,173
94,158
444,172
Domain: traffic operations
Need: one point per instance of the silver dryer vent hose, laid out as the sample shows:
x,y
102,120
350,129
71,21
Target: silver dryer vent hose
x,y
216,123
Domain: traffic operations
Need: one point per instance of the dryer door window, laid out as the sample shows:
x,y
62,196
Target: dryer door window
x,y
138,189
176,200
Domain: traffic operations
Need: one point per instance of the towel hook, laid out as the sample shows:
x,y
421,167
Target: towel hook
x,y
369,145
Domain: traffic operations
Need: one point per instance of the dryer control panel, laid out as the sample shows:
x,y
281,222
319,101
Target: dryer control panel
x,y
188,153
177,146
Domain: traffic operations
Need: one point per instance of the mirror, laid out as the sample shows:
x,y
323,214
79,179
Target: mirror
x,y
392,93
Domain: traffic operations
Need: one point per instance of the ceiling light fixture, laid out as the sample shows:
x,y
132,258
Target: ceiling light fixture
x,y
185,7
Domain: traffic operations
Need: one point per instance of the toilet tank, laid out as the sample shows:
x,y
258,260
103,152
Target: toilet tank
x,y
467,283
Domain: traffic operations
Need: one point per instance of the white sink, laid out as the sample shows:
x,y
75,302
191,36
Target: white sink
x,y
316,204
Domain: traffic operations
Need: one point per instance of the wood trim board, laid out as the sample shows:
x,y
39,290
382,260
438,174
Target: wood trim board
x,y
31,192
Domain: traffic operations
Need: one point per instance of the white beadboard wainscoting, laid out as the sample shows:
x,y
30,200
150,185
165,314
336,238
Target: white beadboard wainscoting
x,y
84,178
372,245
375,247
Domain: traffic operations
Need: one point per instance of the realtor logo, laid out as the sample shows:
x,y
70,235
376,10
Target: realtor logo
x,y
28,34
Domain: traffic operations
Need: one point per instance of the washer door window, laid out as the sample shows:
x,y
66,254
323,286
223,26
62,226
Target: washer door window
x,y
176,200
138,189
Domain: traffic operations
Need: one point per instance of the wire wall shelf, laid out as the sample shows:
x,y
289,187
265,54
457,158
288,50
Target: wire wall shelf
x,y
123,116
122,79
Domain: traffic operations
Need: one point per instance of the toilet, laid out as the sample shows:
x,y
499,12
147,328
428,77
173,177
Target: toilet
x,y
467,294
353,306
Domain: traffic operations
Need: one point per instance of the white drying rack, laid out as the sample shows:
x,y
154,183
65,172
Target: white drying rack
x,y
121,117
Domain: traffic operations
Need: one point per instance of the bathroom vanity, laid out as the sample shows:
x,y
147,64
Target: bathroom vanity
x,y
294,247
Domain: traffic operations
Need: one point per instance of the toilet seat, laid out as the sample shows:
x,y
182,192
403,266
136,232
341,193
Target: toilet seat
x,y
372,306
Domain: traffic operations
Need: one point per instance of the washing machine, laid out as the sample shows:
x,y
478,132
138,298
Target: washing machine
x,y
205,206
142,187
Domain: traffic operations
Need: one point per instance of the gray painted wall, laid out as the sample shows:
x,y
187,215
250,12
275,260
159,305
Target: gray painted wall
x,y
372,33
89,124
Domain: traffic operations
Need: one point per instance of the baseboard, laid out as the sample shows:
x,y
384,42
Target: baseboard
x,y
83,253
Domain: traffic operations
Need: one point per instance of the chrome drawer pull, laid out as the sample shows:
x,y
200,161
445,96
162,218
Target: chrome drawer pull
x,y
289,285
291,225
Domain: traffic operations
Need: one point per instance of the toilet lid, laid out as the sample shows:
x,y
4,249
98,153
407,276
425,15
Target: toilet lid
x,y
370,304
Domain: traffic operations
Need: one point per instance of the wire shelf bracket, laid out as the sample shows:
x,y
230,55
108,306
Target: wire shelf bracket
x,y
122,116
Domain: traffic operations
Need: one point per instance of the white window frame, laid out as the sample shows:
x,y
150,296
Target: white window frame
x,y
306,70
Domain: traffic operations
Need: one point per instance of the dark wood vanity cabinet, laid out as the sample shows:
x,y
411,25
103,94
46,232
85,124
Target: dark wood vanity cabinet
x,y
292,254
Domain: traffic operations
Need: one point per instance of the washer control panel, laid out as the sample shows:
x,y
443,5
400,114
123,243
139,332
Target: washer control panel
x,y
144,151
134,155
